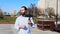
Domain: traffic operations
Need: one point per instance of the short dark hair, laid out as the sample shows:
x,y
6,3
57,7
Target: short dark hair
x,y
24,7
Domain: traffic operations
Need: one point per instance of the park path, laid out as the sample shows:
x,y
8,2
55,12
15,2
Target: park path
x,y
9,29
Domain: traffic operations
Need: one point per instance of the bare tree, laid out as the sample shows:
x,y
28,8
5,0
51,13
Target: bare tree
x,y
1,13
34,10
50,12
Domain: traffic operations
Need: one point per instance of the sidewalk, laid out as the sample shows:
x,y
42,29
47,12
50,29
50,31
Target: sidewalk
x,y
5,29
9,29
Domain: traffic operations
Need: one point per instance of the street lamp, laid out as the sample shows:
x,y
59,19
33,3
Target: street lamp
x,y
56,12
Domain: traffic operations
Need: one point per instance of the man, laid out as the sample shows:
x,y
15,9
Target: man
x,y
23,23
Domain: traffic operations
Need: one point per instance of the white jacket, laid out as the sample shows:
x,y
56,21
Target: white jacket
x,y
23,20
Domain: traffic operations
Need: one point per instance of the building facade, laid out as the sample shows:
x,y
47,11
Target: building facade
x,y
43,4
13,13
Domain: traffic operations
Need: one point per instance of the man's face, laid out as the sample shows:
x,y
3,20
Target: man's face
x,y
22,11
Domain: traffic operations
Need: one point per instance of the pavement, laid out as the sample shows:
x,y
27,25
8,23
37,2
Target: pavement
x,y
9,29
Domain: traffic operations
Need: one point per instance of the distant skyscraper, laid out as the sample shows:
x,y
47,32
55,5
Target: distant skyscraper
x,y
13,13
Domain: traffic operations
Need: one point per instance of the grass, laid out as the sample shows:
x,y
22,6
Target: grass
x,y
12,19
8,19
36,19
46,18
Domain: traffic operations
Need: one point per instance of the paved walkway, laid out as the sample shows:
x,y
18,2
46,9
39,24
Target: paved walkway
x,y
9,29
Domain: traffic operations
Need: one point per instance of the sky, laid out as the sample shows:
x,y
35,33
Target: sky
x,y
10,5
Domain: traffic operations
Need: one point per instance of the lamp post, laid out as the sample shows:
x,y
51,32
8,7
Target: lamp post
x,y
56,12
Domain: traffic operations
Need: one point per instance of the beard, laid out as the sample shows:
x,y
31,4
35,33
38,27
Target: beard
x,y
22,13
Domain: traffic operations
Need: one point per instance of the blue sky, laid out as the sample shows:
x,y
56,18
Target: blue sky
x,y
10,5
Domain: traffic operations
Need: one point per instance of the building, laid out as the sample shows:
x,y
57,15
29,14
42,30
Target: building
x,y
13,13
43,4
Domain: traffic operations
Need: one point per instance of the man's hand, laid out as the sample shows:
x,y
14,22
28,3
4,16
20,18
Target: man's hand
x,y
29,22
22,26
